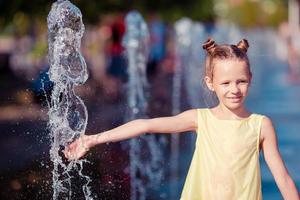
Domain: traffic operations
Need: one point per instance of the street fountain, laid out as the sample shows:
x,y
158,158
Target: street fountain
x,y
67,112
146,169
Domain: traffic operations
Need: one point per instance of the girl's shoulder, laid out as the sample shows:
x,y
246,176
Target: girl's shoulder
x,y
263,119
267,127
258,116
201,112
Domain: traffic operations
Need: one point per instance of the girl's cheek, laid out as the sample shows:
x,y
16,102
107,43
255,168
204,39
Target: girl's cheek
x,y
246,87
224,88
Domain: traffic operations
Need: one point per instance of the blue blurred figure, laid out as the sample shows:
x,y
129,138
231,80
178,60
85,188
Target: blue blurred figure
x,y
157,43
42,86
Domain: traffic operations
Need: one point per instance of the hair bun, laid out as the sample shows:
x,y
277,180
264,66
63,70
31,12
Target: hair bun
x,y
243,45
209,45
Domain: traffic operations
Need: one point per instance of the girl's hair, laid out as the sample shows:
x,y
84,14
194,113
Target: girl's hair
x,y
223,52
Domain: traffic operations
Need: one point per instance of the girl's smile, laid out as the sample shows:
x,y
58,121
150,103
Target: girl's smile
x,y
235,99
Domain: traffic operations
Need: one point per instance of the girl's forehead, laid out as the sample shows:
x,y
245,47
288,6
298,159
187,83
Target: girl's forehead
x,y
222,62
230,68
230,65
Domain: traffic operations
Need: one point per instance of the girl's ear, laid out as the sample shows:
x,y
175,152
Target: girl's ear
x,y
208,82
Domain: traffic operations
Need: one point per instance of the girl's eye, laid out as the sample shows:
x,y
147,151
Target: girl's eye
x,y
243,81
225,83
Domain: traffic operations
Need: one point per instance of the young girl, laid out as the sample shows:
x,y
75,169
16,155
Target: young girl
x,y
225,164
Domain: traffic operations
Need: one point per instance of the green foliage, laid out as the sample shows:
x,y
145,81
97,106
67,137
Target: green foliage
x,y
16,16
39,49
17,11
258,13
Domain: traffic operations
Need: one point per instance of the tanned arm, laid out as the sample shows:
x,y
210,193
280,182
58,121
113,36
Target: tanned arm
x,y
275,163
185,121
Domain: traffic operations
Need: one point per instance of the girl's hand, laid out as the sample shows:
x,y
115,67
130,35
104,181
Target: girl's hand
x,y
78,148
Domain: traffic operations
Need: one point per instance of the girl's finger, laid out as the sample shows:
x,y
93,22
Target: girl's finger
x,y
71,146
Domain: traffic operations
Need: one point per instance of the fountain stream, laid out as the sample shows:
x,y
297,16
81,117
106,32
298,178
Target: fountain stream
x,y
67,112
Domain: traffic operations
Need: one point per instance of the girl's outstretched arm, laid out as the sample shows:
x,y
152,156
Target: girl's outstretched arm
x,y
185,121
273,159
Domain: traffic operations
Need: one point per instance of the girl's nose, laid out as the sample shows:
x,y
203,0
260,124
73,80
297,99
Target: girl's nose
x,y
234,88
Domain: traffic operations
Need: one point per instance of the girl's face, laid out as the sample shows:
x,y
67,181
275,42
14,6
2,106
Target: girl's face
x,y
231,80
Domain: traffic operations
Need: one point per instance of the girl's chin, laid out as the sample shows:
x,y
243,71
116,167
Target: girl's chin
x,y
234,105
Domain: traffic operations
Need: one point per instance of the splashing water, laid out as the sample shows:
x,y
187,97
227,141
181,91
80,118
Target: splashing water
x,y
67,112
145,155
183,55
183,41
194,86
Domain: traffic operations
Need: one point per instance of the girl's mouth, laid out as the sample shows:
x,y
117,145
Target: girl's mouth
x,y
235,99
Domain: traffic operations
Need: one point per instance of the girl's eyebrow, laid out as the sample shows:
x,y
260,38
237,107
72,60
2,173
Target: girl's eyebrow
x,y
224,81
239,79
244,78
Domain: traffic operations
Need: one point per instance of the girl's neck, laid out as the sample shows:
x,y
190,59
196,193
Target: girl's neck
x,y
223,112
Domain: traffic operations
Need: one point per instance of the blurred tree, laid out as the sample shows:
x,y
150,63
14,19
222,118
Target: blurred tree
x,y
250,13
19,16
15,12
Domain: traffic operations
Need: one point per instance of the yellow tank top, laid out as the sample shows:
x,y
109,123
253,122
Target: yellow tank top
x,y
225,164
